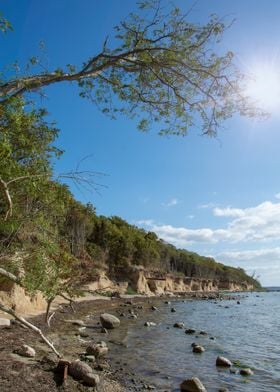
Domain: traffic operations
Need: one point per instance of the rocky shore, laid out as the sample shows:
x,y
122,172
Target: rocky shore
x,y
91,339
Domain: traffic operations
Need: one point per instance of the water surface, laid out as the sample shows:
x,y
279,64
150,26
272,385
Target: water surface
x,y
248,333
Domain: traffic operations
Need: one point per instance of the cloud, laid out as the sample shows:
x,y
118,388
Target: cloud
x,y
228,211
172,202
259,223
277,195
207,205
263,263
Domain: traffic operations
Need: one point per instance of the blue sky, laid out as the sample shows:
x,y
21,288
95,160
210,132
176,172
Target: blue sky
x,y
218,197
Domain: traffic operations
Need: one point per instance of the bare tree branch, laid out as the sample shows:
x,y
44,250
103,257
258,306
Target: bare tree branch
x,y
31,326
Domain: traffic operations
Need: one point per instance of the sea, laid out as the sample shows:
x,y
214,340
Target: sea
x,y
248,334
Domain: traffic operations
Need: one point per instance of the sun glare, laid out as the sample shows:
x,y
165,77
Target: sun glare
x,y
264,86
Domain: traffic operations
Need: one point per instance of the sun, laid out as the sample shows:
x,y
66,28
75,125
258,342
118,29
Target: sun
x,y
264,86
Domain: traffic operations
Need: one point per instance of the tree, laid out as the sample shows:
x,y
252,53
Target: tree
x,y
163,71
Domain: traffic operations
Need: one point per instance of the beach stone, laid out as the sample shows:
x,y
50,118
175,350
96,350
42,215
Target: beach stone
x,y
167,302
179,325
99,349
5,322
149,324
246,372
109,321
154,308
190,331
222,361
173,310
82,371
192,385
26,351
198,349
203,333
90,358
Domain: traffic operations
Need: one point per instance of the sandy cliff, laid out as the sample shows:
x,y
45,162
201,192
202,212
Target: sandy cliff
x,y
136,278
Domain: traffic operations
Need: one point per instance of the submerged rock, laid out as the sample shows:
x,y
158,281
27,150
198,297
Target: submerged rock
x,y
179,325
246,372
173,310
109,321
222,361
192,385
190,331
149,324
198,349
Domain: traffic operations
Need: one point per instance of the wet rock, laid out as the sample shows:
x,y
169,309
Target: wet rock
x,y
198,349
192,385
99,349
190,331
82,371
223,390
173,310
149,324
203,333
90,358
246,372
109,321
154,308
5,322
167,302
238,302
102,366
179,325
26,351
104,330
222,361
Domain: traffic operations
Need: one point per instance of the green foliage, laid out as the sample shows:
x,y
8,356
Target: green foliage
x,y
5,25
160,69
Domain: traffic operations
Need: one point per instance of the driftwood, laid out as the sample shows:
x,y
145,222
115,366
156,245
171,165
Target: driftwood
x,y
31,326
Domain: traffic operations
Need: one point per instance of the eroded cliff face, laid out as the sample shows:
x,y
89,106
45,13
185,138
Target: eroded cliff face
x,y
147,283
16,298
138,280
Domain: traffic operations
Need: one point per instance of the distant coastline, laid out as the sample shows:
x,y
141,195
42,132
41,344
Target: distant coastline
x,y
272,288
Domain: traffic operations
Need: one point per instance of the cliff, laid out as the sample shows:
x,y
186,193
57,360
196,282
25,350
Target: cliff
x,y
140,281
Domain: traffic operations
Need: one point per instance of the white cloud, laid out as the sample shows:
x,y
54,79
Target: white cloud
x,y
259,223
207,205
277,195
228,211
172,202
263,263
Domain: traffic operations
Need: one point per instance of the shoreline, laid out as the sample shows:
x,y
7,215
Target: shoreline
x,y
66,336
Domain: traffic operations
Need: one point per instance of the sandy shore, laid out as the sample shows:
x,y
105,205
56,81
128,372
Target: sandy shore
x,y
21,374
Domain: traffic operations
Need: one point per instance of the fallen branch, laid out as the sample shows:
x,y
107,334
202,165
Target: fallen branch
x,y
30,326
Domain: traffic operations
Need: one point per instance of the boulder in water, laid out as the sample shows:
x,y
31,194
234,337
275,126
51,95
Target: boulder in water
x,y
109,321
222,361
192,385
